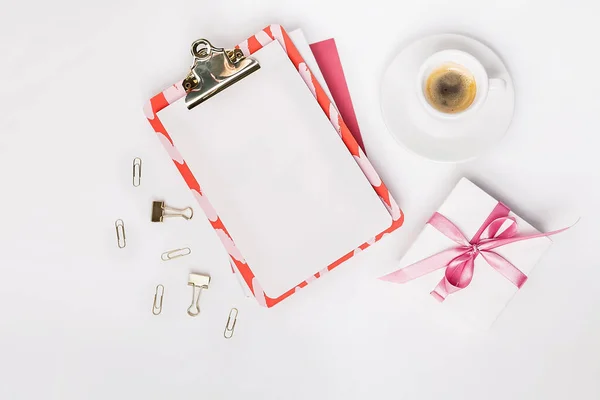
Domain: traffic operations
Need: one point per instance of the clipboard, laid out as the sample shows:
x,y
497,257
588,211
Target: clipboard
x,y
254,88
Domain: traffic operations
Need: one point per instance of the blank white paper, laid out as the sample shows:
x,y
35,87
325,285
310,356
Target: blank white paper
x,y
281,179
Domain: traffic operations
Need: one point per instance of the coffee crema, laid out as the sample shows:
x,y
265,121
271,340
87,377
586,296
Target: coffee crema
x,y
450,88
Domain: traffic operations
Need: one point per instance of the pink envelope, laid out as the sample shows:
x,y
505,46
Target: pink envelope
x,y
329,62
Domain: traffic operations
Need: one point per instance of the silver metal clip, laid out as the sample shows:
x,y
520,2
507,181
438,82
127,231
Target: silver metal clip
x,y
198,282
137,171
158,299
161,211
214,69
171,254
230,325
120,227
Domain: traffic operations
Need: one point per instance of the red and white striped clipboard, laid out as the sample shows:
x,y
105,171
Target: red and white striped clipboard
x,y
292,195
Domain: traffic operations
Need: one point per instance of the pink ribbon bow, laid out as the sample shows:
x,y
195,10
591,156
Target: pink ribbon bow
x,y
497,230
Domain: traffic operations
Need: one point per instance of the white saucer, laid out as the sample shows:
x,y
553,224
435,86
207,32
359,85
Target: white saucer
x,y
444,140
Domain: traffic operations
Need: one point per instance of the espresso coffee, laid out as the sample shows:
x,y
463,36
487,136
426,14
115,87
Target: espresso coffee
x,y
450,88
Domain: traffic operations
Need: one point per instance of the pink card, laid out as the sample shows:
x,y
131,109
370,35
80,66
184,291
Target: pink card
x,y
329,62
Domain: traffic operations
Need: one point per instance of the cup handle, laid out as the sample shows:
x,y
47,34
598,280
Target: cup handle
x,y
497,84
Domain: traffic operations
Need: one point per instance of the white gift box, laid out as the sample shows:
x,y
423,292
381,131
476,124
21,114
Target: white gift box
x,y
480,303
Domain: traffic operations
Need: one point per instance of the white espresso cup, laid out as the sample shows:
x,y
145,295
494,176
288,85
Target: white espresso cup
x,y
459,58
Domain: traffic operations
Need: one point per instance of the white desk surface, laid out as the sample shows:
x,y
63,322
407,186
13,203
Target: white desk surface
x,y
75,320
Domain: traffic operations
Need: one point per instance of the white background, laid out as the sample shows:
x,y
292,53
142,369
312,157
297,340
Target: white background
x,y
75,319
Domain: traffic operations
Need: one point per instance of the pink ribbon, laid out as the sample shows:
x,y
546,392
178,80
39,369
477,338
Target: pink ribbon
x,y
499,229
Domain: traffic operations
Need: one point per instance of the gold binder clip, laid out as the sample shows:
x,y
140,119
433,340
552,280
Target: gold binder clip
x,y
198,282
160,211
137,171
214,69
158,295
229,326
171,254
120,227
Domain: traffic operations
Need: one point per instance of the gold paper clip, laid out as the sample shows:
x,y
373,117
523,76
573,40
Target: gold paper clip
x,y
171,254
137,171
198,282
158,295
120,227
229,327
160,211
